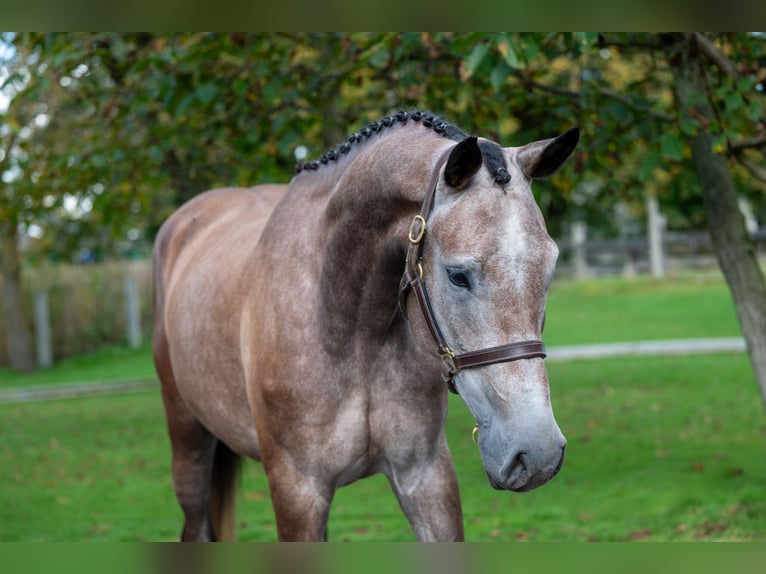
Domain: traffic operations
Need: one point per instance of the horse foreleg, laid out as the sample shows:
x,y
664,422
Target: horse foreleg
x,y
301,503
429,496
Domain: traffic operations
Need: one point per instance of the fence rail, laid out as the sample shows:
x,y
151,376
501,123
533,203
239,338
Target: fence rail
x,y
632,256
76,309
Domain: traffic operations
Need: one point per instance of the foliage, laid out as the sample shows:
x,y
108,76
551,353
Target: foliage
x,y
620,88
140,122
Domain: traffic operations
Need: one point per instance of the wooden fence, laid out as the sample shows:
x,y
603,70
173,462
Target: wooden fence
x,y
673,251
76,309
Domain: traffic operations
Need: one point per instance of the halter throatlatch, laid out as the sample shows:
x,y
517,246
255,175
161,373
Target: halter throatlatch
x,y
413,279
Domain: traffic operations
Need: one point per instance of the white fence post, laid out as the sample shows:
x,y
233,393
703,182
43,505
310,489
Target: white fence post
x,y
656,224
579,257
132,311
43,330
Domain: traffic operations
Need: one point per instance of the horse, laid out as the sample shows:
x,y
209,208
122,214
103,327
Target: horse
x,y
317,327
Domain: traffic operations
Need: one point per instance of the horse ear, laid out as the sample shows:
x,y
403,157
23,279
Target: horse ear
x,y
543,158
463,162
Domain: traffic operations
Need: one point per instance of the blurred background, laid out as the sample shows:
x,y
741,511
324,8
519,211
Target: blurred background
x,y
659,219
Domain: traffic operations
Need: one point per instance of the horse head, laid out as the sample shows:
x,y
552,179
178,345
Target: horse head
x,y
485,264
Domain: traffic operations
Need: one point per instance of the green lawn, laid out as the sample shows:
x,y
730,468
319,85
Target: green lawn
x,y
621,310
660,448
108,364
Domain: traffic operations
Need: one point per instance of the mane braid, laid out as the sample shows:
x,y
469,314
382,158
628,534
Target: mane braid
x,y
436,123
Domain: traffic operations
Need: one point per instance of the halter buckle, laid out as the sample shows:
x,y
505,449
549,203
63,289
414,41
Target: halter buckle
x,y
416,234
447,357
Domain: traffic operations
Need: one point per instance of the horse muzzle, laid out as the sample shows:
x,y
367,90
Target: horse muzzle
x,y
524,471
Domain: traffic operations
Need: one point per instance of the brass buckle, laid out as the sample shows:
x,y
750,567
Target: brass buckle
x,y
475,435
415,236
448,360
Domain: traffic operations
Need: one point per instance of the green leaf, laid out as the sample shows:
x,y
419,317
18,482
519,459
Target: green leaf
x,y
651,162
618,111
733,101
505,47
206,92
586,38
671,148
755,111
156,154
474,59
184,104
380,58
272,91
688,126
745,83
119,48
499,75
531,48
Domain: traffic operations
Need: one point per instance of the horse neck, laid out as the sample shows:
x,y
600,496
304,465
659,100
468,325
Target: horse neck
x,y
366,222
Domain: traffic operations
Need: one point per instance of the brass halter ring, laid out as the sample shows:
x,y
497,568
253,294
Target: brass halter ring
x,y
475,435
416,233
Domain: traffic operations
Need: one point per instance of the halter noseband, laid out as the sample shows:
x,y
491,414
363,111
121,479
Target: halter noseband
x,y
413,279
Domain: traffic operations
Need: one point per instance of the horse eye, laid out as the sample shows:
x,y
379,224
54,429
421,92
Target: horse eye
x,y
458,278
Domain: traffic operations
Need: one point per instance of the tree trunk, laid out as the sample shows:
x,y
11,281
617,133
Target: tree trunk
x,y
17,332
734,247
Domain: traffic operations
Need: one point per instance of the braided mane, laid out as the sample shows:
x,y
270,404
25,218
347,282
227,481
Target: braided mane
x,y
491,152
438,124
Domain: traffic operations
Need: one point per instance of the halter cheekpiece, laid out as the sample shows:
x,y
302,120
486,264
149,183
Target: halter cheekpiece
x,y
412,278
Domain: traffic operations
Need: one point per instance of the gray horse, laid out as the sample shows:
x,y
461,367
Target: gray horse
x,y
313,326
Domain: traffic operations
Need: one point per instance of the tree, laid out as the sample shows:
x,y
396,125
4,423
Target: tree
x,y
640,98
690,62
20,199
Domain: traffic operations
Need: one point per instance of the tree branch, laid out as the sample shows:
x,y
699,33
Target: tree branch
x,y
757,142
755,169
630,40
7,149
530,83
716,56
628,102
604,91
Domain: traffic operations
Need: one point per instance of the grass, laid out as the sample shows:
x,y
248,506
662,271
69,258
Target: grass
x,y
660,448
108,364
621,310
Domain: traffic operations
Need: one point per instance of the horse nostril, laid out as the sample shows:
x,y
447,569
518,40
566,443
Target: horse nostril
x,y
516,469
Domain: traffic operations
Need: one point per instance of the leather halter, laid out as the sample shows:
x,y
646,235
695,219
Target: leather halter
x,y
413,279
